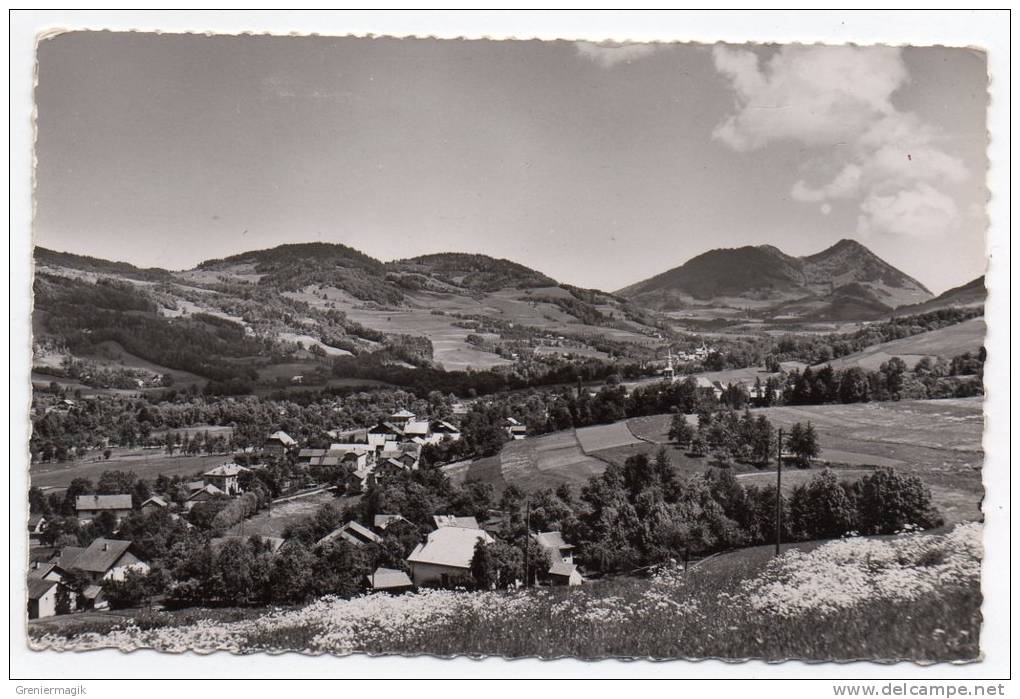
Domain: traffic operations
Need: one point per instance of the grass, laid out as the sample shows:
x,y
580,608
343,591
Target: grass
x,y
144,465
733,606
937,440
599,437
968,336
275,522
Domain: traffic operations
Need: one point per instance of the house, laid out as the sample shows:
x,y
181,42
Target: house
x,y
445,556
388,580
444,431
204,494
226,477
103,559
385,432
353,533
414,428
42,597
454,521
554,547
706,386
154,503
88,507
278,443
516,429
401,417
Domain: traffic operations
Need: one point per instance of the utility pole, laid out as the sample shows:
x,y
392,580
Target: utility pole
x,y
527,543
779,493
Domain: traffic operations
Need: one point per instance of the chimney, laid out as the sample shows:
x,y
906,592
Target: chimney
x,y
106,546
35,565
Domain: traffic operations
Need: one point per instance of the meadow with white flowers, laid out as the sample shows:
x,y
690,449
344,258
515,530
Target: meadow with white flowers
x,y
912,596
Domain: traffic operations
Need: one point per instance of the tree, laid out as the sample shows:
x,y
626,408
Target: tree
x,y
37,502
131,591
803,443
291,580
115,482
681,431
822,509
888,502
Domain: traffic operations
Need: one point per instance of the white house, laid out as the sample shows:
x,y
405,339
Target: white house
x,y
42,597
445,556
226,477
103,559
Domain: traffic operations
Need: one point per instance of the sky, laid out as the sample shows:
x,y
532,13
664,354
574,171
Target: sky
x,y
597,164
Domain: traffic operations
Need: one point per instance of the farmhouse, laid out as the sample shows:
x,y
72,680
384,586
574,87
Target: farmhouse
x,y
36,524
103,559
442,430
278,443
226,477
445,556
401,417
88,507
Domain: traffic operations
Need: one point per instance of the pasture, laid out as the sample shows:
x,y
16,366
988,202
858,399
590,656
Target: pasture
x,y
938,440
948,342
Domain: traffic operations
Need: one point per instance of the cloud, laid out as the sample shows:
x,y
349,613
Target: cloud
x,y
840,98
922,211
609,54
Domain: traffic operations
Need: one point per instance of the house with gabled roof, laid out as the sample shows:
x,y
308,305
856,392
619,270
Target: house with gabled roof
x,y
154,503
203,494
445,556
42,597
278,443
103,559
443,430
226,477
560,556
88,507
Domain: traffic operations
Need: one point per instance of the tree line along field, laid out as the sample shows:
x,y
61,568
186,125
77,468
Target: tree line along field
x,y
937,440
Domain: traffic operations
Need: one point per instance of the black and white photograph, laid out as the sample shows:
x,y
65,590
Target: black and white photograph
x,y
513,348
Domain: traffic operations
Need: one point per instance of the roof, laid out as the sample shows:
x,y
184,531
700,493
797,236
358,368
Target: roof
x,y
353,533
207,490
387,427
101,555
449,546
403,414
92,592
196,485
226,470
703,382
454,521
560,568
388,579
512,421
443,426
155,500
416,427
551,540
309,453
42,570
67,556
102,502
281,437
37,587
383,521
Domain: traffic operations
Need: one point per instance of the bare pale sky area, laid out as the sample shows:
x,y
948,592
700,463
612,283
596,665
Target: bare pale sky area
x,y
598,165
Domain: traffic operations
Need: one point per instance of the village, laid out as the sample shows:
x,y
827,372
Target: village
x,y
78,578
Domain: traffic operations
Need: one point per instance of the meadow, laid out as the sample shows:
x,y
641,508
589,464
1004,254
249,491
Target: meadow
x,y
147,465
968,336
915,597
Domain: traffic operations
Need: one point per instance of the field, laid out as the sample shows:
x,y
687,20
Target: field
x,y
968,336
912,597
938,440
146,465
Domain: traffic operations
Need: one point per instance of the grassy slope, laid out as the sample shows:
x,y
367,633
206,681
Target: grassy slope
x,y
948,342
